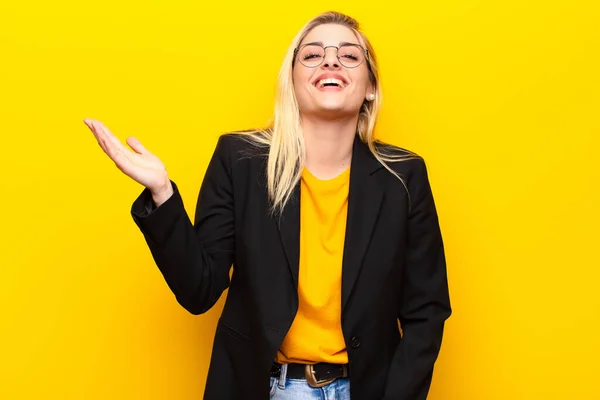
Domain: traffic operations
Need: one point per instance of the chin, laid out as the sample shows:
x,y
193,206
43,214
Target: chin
x,y
341,107
330,108
331,112
332,105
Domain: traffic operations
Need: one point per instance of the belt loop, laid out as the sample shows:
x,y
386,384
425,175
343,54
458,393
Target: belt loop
x,y
283,376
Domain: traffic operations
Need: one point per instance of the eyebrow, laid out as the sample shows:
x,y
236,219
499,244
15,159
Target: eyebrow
x,y
339,45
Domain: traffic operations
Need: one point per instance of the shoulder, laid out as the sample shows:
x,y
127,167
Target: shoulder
x,y
402,161
391,149
411,168
242,145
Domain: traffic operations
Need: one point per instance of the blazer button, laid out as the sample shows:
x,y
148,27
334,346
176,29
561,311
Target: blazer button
x,y
355,342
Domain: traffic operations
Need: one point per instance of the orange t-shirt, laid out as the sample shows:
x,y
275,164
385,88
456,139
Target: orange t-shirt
x,y
316,332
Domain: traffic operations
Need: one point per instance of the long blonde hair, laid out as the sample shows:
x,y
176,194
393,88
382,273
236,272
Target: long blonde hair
x,y
283,135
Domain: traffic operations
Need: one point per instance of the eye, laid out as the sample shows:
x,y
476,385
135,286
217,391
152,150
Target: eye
x,y
350,53
309,56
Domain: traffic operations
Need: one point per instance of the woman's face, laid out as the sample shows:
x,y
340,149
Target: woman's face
x,y
332,89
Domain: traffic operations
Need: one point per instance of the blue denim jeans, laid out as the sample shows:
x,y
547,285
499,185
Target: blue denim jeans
x,y
283,388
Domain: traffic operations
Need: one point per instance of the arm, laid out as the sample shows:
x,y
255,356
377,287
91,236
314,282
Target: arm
x,y
194,259
425,303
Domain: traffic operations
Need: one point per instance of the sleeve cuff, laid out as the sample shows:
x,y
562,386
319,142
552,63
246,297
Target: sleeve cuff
x,y
155,221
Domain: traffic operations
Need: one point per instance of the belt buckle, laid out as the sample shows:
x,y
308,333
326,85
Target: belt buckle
x,y
309,374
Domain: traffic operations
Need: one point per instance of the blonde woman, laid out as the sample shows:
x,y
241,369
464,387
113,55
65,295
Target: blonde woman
x,y
333,238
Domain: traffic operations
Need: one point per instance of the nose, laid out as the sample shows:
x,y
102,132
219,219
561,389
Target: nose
x,y
331,59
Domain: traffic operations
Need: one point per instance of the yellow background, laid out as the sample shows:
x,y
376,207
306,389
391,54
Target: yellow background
x,y
502,98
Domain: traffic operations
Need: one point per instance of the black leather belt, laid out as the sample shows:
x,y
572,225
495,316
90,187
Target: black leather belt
x,y
317,375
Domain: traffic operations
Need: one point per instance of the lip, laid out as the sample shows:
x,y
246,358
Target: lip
x,y
328,75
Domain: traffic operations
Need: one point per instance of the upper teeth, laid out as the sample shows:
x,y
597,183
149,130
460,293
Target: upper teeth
x,y
323,82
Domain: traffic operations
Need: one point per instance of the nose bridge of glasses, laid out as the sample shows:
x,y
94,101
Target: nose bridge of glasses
x,y
333,54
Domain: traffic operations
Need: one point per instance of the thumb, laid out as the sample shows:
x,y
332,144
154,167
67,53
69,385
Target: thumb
x,y
136,145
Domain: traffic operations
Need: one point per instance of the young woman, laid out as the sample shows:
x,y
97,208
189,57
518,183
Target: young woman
x,y
339,286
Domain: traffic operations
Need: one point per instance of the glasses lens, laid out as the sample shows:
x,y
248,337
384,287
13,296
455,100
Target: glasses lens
x,y
311,55
351,56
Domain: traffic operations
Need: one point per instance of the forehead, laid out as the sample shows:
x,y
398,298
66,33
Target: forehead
x,y
331,35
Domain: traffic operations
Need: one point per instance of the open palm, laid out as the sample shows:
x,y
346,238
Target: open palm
x,y
139,164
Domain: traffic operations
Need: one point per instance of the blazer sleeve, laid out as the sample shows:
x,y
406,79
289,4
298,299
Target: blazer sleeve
x,y
194,259
425,302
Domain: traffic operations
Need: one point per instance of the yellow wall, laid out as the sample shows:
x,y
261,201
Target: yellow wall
x,y
501,97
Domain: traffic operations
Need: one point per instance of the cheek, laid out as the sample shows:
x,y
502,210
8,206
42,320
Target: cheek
x,y
301,82
361,79
300,75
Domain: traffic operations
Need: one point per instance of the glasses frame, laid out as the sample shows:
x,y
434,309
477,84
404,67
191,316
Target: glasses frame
x,y
337,54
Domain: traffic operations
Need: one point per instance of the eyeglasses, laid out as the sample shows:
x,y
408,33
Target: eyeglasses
x,y
312,55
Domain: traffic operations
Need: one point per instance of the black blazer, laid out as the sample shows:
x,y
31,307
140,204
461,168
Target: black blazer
x,y
393,270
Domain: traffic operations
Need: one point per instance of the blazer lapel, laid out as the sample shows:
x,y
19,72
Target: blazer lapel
x,y
364,201
289,231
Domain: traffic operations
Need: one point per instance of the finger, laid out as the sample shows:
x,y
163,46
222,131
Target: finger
x,y
136,145
103,140
120,159
100,136
98,132
108,138
90,124
107,141
104,130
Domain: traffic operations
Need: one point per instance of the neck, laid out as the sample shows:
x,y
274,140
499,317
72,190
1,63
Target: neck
x,y
328,145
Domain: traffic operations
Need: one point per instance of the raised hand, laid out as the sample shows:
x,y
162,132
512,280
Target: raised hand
x,y
139,164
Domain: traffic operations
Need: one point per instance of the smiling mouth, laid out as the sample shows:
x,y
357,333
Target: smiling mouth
x,y
330,82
